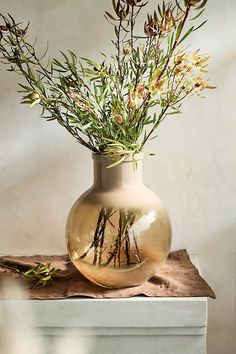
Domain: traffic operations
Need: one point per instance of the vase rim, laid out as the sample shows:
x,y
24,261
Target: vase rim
x,y
98,156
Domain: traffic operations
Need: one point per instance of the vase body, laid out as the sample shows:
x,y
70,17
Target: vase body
x,y
118,232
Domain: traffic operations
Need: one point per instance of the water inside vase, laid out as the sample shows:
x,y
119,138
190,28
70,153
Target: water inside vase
x,y
117,247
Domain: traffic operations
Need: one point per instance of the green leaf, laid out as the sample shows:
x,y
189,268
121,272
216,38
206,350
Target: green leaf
x,y
202,5
202,24
198,15
186,35
174,112
110,16
114,4
178,5
179,29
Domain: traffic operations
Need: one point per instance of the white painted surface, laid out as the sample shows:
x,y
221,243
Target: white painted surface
x,y
161,325
42,170
138,312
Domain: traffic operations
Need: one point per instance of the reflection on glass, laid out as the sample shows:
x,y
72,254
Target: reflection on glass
x,y
117,247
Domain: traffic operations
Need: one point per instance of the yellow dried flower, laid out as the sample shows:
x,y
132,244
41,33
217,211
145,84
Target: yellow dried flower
x,y
127,50
187,62
167,22
157,85
137,96
199,60
199,83
182,64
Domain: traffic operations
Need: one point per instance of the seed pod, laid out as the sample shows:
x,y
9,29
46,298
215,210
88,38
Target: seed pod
x,y
132,2
127,50
151,26
192,2
34,96
118,118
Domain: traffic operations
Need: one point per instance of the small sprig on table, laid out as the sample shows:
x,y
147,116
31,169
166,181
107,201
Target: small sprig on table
x,y
40,276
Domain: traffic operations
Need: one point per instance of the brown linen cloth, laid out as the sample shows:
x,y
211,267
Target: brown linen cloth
x,y
177,278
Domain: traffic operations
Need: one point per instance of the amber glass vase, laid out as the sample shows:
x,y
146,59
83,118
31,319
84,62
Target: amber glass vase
x,y
118,232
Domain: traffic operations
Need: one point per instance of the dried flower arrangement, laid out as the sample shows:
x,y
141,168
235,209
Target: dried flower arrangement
x,y
107,106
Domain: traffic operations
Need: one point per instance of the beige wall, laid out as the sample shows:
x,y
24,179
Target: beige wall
x,y
42,170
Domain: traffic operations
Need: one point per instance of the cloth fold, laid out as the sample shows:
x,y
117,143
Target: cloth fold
x,y
178,277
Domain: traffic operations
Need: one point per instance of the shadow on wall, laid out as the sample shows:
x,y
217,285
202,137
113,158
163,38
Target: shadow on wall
x,y
217,264
30,196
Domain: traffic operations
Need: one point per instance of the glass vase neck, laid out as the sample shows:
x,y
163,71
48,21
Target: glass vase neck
x,y
124,175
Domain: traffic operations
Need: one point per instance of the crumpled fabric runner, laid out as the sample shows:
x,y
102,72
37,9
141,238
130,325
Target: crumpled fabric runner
x,y
178,277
